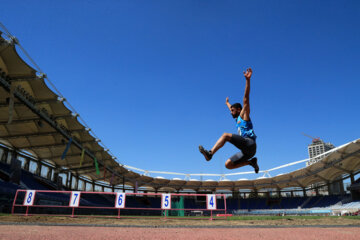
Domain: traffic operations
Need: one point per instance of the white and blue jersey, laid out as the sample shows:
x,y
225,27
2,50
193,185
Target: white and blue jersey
x,y
245,128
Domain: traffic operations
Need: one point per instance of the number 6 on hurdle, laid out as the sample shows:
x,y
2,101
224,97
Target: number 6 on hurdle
x,y
120,200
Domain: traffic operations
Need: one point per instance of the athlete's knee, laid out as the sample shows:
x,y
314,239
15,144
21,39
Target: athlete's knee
x,y
227,136
229,164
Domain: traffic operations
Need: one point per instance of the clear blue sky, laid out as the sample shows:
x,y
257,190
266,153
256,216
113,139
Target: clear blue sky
x,y
151,77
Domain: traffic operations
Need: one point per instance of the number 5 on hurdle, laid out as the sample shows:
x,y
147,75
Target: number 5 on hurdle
x,y
166,201
211,201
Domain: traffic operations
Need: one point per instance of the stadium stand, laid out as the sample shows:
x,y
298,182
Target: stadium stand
x,y
46,126
337,204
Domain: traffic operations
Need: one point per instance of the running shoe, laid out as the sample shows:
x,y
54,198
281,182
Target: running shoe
x,y
253,163
207,154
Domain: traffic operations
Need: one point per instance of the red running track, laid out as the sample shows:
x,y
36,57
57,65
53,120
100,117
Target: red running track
x,y
23,232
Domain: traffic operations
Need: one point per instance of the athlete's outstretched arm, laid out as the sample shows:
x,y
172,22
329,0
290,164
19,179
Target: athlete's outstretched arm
x,y
245,112
227,103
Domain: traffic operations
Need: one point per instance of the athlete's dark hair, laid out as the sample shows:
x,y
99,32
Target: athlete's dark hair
x,y
236,105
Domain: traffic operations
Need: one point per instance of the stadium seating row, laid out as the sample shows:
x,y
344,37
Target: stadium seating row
x,y
31,181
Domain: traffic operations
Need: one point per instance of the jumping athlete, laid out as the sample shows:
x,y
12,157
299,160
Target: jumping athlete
x,y
245,140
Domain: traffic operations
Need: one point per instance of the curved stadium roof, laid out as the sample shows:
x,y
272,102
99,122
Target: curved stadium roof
x,y
36,120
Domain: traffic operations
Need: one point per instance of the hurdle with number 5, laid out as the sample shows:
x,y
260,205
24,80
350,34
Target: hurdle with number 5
x,y
77,200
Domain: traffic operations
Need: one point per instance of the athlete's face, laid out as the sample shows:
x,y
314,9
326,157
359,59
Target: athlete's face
x,y
235,112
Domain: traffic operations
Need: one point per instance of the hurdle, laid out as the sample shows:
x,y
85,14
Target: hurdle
x,y
119,204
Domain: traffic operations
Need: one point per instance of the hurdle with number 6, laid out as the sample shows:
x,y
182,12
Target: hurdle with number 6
x,y
160,203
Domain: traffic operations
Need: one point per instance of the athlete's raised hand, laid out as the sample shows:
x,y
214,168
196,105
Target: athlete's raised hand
x,y
248,73
227,103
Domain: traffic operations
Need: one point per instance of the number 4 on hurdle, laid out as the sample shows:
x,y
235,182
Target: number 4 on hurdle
x,y
29,198
211,201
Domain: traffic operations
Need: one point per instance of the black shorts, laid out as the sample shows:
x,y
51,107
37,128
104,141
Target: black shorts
x,y
246,145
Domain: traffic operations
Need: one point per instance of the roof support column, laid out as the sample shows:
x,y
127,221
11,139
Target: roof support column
x,y
255,193
27,164
304,192
38,167
352,179
235,194
267,194
59,182
76,182
93,185
15,168
329,187
56,176
49,173
69,178
82,186
135,187
86,184
4,156
13,158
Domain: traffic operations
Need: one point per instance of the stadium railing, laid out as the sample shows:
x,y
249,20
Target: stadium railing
x,y
119,205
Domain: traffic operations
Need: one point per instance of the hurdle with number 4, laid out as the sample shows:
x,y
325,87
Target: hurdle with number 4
x,y
33,198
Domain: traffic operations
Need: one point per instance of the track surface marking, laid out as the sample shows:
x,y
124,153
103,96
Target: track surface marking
x,y
22,232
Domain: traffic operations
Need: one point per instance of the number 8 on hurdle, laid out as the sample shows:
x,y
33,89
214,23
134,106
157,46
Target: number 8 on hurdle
x,y
29,198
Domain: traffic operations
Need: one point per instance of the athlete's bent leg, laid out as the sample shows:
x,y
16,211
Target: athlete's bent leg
x,y
220,142
240,159
231,165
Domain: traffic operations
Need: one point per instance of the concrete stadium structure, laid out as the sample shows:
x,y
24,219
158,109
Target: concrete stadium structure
x,y
37,124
